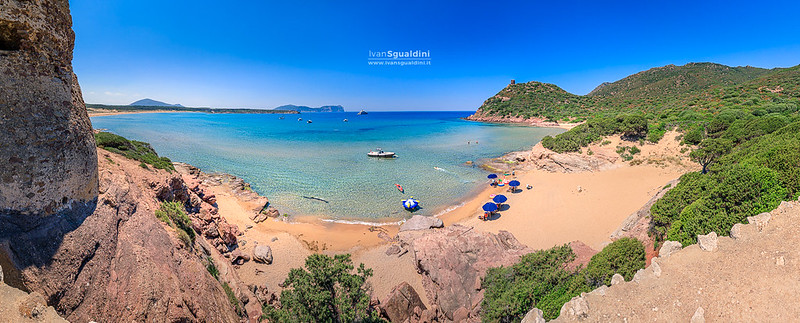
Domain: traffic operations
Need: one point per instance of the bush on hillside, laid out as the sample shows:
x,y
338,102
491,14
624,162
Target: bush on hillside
x,y
510,292
541,280
740,191
753,178
325,290
136,150
173,214
624,256
656,131
632,126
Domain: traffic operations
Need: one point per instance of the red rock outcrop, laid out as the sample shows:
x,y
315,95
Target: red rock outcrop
x,y
453,260
403,304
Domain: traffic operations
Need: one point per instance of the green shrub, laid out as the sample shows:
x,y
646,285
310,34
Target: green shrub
x,y
541,280
740,191
692,186
632,125
325,291
232,299
627,152
656,132
694,136
110,140
753,178
624,256
174,214
510,292
212,269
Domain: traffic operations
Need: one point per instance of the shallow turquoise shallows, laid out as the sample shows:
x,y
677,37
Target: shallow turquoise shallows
x,y
289,160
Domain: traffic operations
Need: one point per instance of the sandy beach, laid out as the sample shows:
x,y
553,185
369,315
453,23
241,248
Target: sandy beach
x,y
561,207
103,112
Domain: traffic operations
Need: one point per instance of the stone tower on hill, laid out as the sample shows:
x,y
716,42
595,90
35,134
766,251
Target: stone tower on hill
x,y
48,161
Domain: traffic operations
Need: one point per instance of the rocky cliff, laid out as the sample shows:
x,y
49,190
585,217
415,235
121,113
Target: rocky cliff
x,y
47,156
121,262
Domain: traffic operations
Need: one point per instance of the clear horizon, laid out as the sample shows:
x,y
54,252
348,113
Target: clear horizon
x,y
263,55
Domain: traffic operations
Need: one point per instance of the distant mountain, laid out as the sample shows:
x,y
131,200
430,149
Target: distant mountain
x,y
153,103
302,108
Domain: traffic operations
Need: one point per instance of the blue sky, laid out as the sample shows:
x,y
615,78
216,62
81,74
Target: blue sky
x,y
262,54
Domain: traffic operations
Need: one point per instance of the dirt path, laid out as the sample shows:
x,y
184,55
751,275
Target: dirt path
x,y
755,278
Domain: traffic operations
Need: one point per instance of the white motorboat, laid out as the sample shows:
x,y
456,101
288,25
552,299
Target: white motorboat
x,y
380,153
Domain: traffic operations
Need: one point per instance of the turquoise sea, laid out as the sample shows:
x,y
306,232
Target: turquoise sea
x,y
286,159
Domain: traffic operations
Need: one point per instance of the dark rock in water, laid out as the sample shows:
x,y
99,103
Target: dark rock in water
x,y
402,302
48,161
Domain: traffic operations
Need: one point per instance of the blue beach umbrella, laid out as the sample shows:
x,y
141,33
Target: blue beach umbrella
x,y
513,183
490,207
492,176
500,198
410,204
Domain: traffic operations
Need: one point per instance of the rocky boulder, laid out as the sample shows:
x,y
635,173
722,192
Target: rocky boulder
x,y
18,306
262,254
453,260
402,303
267,212
535,315
668,248
548,160
421,222
707,242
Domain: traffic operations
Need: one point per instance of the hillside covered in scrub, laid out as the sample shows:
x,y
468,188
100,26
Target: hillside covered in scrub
x,y
655,91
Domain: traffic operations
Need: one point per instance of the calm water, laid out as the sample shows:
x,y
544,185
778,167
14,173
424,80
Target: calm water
x,y
288,159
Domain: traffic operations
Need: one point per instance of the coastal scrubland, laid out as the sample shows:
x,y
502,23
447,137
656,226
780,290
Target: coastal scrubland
x,y
740,125
734,139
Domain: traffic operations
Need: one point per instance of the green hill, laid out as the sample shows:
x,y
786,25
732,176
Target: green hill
x,y
674,81
649,91
536,99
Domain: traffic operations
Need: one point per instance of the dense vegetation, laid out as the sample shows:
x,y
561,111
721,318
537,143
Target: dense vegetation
x,y
325,291
652,92
173,214
633,126
743,181
136,150
542,279
699,114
